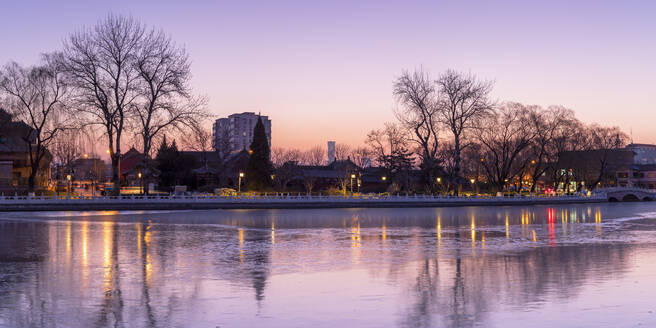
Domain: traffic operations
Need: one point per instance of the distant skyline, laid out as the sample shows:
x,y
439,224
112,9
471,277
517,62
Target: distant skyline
x,y
324,70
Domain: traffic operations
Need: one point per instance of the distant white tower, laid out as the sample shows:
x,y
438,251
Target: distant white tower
x,y
331,151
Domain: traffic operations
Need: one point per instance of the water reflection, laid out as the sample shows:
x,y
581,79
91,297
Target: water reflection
x,y
453,267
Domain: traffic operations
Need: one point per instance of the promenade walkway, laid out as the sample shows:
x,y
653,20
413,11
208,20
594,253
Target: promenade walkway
x,y
269,201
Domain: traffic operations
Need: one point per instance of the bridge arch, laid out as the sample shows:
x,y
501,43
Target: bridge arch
x,y
613,199
630,198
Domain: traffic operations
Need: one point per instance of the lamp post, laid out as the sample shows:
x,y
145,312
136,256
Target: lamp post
x,y
473,183
478,173
141,186
241,175
68,177
352,177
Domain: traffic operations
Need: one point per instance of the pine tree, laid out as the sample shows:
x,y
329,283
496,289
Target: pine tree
x,y
259,168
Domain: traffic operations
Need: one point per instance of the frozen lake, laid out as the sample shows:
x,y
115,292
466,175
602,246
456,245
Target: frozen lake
x,y
591,265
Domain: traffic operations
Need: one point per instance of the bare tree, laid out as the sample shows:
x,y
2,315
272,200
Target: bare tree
x,y
544,151
286,163
505,136
36,96
385,141
416,94
361,156
462,101
280,156
199,138
66,148
314,156
605,139
165,99
101,64
342,151
388,147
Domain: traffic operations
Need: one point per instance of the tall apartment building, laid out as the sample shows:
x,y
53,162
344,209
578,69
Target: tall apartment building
x,y
236,131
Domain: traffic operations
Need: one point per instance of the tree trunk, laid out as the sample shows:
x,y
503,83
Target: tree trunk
x,y
144,176
456,166
30,180
116,174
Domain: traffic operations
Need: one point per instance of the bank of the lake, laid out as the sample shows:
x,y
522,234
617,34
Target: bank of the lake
x,y
17,204
462,267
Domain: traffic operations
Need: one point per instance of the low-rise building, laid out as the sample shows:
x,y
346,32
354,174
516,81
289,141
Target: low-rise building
x,y
15,156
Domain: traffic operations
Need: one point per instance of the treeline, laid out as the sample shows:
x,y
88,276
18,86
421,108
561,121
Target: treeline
x,y
450,127
451,131
116,81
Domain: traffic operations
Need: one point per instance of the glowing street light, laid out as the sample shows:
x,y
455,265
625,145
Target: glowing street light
x,y
439,180
352,177
241,175
384,178
68,177
141,188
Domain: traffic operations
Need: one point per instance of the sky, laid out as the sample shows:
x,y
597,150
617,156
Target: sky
x,y
323,70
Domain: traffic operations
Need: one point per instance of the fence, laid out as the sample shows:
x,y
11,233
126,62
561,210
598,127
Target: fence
x,y
286,198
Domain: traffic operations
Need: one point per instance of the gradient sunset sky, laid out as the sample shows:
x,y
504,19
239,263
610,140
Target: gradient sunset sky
x,y
323,70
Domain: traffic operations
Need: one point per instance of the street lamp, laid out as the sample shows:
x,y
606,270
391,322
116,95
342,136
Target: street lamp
x,y
439,180
241,175
473,181
384,178
68,177
140,183
352,177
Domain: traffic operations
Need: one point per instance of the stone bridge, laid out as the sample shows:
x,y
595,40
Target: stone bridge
x,y
628,194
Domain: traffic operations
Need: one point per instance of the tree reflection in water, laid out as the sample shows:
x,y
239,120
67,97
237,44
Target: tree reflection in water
x,y
444,267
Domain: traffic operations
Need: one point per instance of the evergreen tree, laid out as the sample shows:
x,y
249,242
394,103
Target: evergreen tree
x,y
175,167
398,165
259,168
166,163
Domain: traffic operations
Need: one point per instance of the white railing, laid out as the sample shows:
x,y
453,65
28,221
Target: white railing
x,y
625,189
284,198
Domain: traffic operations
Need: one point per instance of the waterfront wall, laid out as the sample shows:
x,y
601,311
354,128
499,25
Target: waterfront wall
x,y
78,203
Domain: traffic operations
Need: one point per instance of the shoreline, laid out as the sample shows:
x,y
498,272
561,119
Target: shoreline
x,y
86,205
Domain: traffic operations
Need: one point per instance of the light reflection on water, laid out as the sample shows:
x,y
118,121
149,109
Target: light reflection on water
x,y
575,265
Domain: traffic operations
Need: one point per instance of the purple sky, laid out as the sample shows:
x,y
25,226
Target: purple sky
x,y
323,70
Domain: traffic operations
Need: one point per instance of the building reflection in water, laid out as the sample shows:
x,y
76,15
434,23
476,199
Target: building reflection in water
x,y
151,272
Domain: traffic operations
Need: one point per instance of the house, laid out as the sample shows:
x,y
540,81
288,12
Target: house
x,y
15,156
206,169
88,168
341,174
136,169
